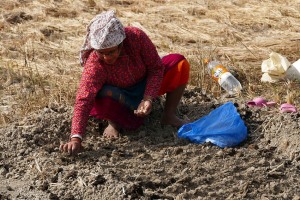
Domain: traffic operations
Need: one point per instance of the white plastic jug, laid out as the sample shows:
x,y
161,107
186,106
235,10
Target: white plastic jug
x,y
293,72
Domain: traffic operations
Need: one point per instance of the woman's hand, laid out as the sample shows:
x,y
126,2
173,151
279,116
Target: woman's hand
x,y
144,108
73,147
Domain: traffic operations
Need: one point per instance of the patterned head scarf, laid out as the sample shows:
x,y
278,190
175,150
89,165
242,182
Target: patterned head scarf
x,y
104,31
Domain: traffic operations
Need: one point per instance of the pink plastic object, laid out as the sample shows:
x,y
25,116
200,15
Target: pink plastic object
x,y
260,102
289,108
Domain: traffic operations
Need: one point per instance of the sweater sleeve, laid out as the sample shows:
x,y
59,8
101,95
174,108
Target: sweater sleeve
x,y
91,82
154,66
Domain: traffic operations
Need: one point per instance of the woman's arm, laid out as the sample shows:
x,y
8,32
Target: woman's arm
x,y
91,82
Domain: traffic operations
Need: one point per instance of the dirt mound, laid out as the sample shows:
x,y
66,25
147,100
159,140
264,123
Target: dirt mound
x,y
152,162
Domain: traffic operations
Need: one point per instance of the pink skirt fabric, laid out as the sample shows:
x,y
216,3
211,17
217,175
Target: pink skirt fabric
x,y
106,108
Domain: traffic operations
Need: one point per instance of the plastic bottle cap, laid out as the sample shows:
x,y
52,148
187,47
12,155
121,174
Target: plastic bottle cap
x,y
206,61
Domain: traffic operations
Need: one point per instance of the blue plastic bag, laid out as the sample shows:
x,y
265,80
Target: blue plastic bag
x,y
222,127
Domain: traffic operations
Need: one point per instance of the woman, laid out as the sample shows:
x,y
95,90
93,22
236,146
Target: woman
x,y
122,75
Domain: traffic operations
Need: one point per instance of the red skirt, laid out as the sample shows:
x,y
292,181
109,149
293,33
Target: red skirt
x,y
106,108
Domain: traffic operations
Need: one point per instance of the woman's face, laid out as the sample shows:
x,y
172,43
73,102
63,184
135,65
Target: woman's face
x,y
109,55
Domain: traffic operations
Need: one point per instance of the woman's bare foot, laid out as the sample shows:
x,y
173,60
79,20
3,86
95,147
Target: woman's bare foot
x,y
111,131
173,120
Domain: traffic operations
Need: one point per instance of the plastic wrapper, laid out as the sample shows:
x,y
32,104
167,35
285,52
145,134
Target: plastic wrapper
x,y
222,127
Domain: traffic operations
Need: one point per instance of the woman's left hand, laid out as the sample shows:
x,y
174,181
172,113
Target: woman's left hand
x,y
144,108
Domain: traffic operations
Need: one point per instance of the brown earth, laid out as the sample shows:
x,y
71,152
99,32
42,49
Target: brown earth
x,y
42,39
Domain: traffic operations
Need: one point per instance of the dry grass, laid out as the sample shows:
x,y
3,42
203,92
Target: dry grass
x,y
40,41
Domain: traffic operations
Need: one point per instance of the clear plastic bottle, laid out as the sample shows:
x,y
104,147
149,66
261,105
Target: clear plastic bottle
x,y
222,75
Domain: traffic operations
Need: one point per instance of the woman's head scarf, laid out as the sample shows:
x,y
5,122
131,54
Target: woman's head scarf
x,y
104,31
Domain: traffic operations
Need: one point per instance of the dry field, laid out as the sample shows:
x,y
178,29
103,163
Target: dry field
x,y
39,73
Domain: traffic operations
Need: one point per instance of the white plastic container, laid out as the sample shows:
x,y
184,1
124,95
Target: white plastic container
x,y
225,79
293,72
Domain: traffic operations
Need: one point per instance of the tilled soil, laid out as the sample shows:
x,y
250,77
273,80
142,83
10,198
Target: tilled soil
x,y
152,162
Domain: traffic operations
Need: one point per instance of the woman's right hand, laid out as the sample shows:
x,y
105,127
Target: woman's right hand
x,y
72,147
